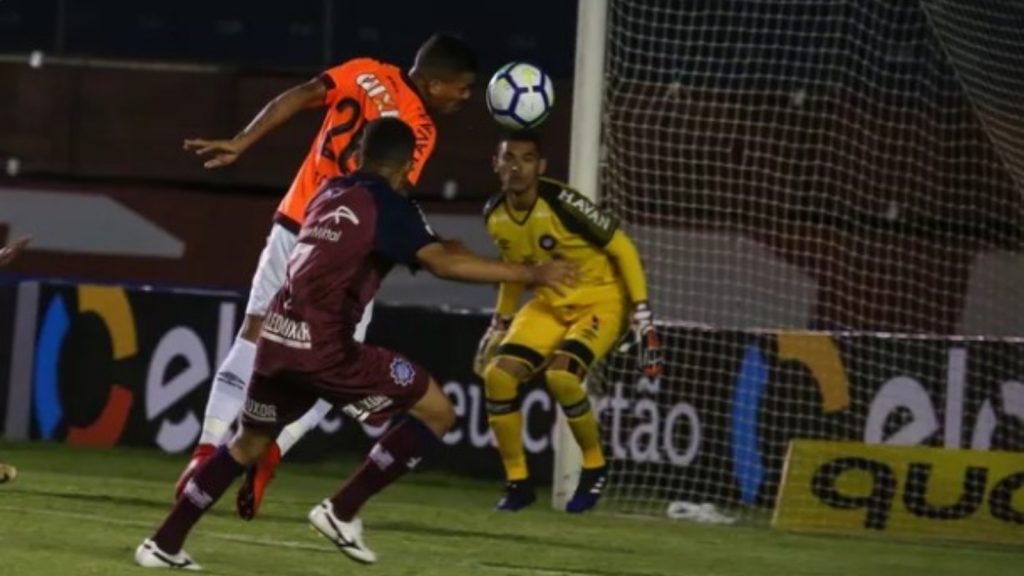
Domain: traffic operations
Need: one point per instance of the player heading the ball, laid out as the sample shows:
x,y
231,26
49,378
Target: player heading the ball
x,y
352,93
356,230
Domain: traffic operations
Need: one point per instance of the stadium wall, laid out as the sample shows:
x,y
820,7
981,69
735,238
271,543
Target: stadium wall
x,y
808,277
127,123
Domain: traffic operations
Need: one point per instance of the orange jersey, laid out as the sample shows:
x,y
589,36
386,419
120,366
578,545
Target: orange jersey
x,y
358,91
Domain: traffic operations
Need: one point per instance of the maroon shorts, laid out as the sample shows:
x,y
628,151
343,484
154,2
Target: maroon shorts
x,y
374,386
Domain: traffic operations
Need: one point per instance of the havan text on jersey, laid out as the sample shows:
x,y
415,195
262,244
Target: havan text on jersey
x,y
586,208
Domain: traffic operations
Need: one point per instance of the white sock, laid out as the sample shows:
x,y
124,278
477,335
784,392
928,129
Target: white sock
x,y
296,430
228,392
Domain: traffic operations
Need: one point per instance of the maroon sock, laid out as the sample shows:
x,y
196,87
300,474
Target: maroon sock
x,y
205,488
397,452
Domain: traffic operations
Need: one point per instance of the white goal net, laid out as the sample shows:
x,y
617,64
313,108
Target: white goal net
x,y
827,199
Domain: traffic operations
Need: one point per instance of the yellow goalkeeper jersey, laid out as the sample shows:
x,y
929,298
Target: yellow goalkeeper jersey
x,y
562,224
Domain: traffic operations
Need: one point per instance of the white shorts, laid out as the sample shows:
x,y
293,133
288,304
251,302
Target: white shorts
x,y
270,275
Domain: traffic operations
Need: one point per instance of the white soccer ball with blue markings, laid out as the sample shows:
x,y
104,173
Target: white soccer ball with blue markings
x,y
520,95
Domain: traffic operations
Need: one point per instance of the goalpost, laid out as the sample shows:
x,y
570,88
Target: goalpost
x,y
585,176
827,199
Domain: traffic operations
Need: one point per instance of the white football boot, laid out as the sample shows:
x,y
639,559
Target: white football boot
x,y
347,536
149,555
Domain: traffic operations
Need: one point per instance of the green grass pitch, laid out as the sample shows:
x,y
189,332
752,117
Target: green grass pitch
x,y
78,511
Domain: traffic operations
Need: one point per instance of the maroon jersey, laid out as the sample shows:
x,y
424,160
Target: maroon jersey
x,y
356,229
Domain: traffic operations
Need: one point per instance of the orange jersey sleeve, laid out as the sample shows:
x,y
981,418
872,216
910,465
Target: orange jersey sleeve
x,y
358,91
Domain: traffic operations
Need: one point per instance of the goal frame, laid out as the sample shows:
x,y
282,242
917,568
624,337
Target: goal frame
x,y
585,176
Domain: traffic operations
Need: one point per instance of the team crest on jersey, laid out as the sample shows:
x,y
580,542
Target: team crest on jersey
x,y
548,242
402,372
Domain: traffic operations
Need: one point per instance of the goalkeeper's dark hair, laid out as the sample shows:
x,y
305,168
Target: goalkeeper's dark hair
x,y
445,56
387,142
523,136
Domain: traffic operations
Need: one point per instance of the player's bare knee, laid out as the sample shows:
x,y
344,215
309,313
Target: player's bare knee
x,y
439,417
248,446
251,327
435,410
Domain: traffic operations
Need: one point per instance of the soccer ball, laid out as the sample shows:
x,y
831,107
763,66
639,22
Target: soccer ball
x,y
520,95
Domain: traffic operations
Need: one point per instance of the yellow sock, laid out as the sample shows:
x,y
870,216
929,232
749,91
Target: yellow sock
x,y
508,430
502,393
568,390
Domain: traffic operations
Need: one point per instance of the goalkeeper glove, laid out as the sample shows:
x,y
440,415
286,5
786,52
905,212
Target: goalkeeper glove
x,y
646,340
489,343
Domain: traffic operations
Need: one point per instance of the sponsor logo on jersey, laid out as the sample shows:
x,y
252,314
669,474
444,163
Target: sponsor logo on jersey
x,y
378,94
288,332
362,409
548,242
259,411
586,208
402,372
338,214
325,233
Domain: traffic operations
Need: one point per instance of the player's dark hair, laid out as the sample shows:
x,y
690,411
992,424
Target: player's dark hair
x,y
522,136
387,142
445,55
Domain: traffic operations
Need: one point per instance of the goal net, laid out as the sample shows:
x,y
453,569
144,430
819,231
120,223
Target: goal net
x,y
827,197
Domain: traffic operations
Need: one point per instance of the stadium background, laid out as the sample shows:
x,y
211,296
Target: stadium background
x,y
113,323
91,128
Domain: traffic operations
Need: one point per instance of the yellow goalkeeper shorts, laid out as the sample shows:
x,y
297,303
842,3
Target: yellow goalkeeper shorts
x,y
586,333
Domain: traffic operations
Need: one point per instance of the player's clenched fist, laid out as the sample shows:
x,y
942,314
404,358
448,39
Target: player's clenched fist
x,y
221,152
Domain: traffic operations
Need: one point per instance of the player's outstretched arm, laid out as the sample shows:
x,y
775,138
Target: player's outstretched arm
x,y
465,266
276,112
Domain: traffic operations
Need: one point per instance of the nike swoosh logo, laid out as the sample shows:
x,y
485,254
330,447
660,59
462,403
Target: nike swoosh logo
x,y
340,539
168,560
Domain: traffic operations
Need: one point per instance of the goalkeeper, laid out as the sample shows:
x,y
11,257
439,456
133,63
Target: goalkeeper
x,y
532,220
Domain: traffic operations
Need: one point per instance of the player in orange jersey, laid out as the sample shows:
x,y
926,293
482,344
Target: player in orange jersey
x,y
354,93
